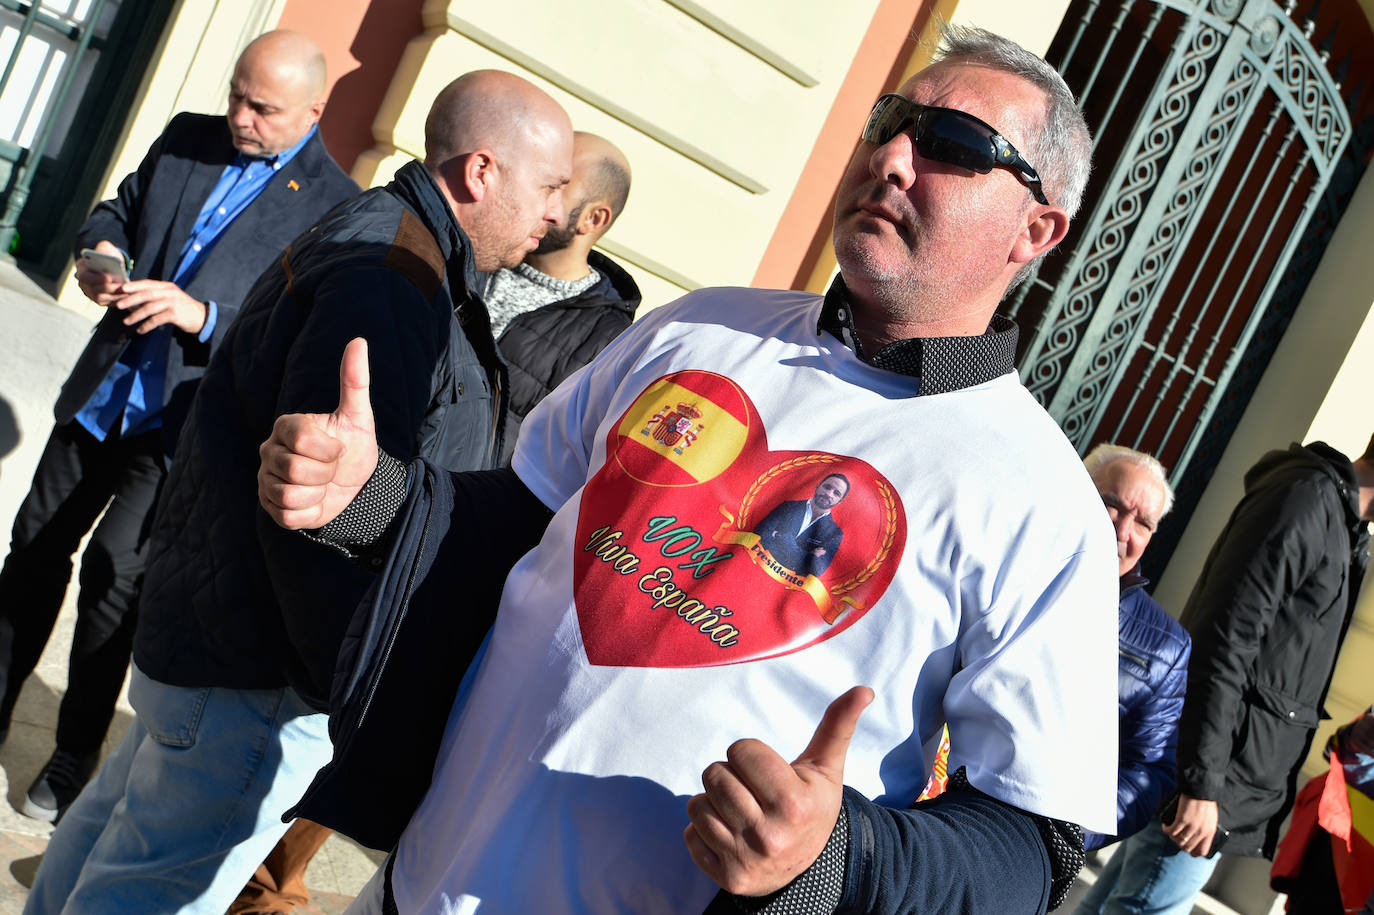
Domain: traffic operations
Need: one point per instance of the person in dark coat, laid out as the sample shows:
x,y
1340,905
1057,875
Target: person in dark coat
x,y
553,313
1267,616
240,622
211,205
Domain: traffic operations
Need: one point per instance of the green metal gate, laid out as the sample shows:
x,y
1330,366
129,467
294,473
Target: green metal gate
x,y
69,73
1219,126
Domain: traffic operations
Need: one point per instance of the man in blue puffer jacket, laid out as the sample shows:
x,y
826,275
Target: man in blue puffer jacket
x,y
1153,672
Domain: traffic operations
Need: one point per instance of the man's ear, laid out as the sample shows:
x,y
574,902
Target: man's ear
x,y
316,110
471,176
1045,227
595,219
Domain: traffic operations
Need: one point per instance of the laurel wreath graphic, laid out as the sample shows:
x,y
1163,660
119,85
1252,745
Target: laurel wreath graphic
x,y
889,534
889,515
775,471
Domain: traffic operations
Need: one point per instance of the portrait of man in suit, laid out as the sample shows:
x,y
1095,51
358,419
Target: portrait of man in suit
x,y
800,533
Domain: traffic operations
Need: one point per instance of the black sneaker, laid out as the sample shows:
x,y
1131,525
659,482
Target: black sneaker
x,y
61,780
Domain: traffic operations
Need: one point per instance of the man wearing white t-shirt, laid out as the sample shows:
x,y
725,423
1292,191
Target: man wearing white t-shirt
x,y
650,629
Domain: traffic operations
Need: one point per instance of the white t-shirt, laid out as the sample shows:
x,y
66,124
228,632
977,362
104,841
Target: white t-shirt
x,y
975,583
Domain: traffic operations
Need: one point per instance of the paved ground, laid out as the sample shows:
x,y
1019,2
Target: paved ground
x,y
40,342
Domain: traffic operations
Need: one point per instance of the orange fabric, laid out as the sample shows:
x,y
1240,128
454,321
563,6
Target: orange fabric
x,y
1322,813
939,774
278,885
1352,855
1333,810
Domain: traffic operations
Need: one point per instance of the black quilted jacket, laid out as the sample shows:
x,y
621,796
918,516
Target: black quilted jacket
x,y
231,600
546,345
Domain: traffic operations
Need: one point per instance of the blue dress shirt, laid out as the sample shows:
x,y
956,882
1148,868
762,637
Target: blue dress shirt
x,y
131,393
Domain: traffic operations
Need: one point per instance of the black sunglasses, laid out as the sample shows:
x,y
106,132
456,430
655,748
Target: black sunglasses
x,y
950,136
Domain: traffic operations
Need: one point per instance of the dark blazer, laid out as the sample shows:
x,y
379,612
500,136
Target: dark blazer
x,y
777,530
151,216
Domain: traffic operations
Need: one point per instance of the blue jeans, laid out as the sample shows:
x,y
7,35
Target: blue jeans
x,y
189,804
1148,875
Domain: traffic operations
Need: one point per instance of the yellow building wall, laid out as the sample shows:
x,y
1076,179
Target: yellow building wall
x,y
190,73
717,105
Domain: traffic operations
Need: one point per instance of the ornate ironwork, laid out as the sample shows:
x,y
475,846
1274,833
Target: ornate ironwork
x,y
1108,233
1175,226
1265,36
1315,100
1165,303
1227,9
1270,328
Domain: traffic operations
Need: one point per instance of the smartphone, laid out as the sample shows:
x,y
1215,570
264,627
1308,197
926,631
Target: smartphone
x,y
1169,811
101,262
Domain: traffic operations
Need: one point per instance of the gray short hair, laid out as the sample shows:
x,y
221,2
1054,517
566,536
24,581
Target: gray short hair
x,y
1062,153
1107,454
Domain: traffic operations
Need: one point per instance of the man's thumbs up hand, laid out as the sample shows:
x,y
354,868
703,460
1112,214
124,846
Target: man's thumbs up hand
x,y
315,463
761,822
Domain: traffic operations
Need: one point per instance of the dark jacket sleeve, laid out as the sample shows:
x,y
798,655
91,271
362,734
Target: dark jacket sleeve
x,y
1273,542
960,852
406,335
410,642
116,220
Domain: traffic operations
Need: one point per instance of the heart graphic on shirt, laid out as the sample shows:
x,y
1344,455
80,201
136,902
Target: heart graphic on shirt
x,y
698,546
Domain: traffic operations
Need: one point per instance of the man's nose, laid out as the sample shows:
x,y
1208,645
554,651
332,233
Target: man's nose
x,y
893,161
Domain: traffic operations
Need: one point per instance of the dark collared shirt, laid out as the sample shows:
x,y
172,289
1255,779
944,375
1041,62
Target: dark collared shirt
x,y
942,364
